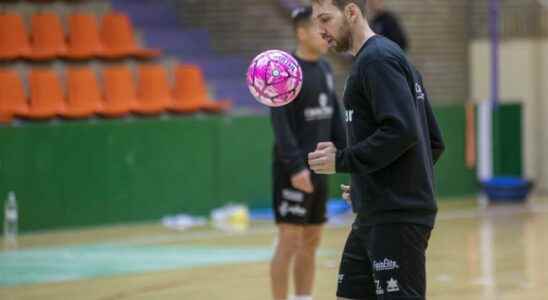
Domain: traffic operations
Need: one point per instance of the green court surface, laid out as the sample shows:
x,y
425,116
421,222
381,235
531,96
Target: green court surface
x,y
44,265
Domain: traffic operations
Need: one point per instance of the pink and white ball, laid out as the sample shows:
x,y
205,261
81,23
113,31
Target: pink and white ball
x,y
274,78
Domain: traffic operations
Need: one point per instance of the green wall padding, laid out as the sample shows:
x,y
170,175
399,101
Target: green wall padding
x,y
453,178
88,173
94,172
507,140
244,153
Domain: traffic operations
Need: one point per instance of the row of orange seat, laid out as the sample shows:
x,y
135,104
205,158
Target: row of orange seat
x,y
117,96
85,40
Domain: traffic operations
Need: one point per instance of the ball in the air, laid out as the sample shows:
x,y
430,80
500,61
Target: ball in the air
x,y
274,78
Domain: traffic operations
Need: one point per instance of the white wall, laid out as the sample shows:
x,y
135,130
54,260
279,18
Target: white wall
x,y
543,117
524,77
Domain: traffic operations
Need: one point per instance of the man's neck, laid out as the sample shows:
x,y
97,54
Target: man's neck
x,y
360,36
306,54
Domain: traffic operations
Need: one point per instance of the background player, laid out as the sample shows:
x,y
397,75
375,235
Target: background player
x,y
394,142
299,199
386,23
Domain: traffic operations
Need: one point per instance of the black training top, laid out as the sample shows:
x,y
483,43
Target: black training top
x,y
394,138
313,117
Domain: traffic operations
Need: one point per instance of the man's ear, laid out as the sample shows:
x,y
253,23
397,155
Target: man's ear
x,y
350,12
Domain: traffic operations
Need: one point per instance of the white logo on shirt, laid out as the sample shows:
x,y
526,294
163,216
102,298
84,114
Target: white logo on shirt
x,y
322,99
348,115
420,93
321,112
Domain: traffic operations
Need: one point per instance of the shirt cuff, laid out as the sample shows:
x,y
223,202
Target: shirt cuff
x,y
296,167
341,161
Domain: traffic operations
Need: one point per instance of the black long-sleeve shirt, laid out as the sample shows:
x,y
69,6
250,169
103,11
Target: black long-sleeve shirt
x,y
386,24
394,138
314,116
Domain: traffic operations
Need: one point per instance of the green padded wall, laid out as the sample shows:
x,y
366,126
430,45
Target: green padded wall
x,y
87,173
453,178
94,172
243,168
507,140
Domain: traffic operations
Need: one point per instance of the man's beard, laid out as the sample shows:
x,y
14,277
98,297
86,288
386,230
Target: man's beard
x,y
344,42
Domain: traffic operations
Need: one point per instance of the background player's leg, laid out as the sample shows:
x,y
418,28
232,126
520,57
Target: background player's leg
x,y
305,260
289,239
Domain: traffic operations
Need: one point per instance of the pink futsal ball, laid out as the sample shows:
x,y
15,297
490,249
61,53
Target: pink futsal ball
x,y
274,78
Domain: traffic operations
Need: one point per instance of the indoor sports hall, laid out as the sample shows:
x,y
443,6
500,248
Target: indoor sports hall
x,y
136,164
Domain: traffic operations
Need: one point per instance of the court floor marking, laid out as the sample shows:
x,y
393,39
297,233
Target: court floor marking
x,y
73,262
59,264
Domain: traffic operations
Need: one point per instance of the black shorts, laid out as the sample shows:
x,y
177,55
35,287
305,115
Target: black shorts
x,y
385,261
293,206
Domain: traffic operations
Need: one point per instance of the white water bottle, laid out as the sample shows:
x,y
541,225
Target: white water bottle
x,y
11,217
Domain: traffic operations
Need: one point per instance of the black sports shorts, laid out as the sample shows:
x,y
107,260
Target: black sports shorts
x,y
385,261
293,206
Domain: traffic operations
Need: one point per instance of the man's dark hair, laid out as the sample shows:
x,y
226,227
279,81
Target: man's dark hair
x,y
301,16
341,4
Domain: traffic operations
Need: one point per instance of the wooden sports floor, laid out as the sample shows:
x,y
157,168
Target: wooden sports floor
x,y
493,253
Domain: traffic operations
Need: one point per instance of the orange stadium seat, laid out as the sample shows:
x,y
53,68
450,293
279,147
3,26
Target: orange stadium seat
x,y
154,93
190,94
120,96
46,95
118,38
14,42
84,40
47,36
12,95
83,94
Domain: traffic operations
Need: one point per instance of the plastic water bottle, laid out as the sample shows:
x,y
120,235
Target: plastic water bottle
x,y
10,220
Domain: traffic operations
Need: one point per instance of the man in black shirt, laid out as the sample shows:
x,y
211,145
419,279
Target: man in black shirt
x,y
299,200
394,141
387,24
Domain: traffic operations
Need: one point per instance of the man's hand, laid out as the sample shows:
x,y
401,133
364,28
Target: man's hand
x,y
302,181
322,161
346,193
